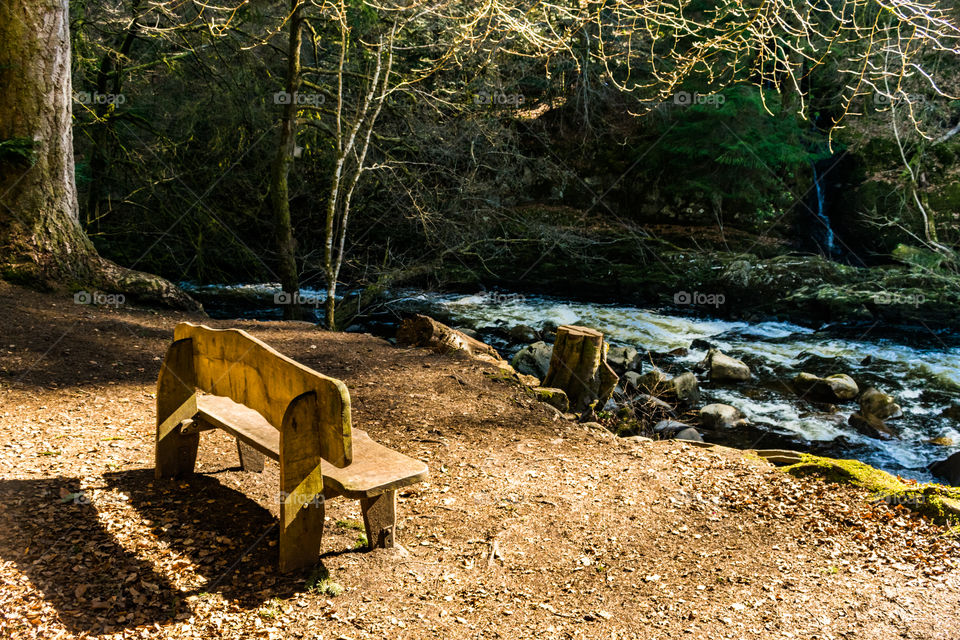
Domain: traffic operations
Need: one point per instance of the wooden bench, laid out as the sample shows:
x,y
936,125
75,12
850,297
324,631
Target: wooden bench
x,y
278,408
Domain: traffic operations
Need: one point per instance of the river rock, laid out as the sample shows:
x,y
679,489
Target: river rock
x,y
952,412
874,402
523,333
699,344
533,359
653,382
721,416
677,431
669,428
835,388
623,359
684,388
871,426
556,398
724,368
948,469
689,434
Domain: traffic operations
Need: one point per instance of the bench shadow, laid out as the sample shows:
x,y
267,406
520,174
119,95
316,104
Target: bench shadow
x,y
100,582
57,539
230,539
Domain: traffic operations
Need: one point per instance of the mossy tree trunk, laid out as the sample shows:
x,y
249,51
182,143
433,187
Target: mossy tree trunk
x,y
41,240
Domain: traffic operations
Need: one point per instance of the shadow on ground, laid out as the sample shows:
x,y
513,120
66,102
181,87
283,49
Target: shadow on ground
x,y
102,583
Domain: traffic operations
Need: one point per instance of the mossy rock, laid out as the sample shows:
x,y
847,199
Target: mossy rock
x,y
945,198
932,500
556,398
917,257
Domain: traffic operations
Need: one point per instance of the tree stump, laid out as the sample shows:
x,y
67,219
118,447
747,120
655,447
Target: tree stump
x,y
579,366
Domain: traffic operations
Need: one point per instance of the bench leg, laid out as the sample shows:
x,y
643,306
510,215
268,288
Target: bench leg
x,y
250,458
176,451
300,540
380,519
176,455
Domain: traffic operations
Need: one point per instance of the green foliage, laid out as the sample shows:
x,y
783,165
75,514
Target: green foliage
x,y
729,146
320,583
18,151
350,524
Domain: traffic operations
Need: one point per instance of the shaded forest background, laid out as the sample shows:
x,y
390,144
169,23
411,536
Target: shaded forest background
x,y
489,171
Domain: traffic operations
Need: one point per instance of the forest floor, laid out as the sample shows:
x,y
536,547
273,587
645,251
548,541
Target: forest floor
x,y
529,527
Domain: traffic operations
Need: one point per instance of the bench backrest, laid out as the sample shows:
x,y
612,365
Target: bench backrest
x,y
232,363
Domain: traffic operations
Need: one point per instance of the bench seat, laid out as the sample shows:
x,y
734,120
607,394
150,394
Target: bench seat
x,y
375,469
276,407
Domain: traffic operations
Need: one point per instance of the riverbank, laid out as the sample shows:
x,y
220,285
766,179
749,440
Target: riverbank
x,y
530,526
726,273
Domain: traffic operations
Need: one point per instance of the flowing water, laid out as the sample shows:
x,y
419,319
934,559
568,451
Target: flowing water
x,y
921,369
827,232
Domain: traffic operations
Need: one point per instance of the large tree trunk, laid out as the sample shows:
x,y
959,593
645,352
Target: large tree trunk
x,y
41,240
579,366
279,188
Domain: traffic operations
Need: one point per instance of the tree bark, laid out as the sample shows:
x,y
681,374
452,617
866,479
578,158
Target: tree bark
x,y
279,187
424,331
579,367
41,240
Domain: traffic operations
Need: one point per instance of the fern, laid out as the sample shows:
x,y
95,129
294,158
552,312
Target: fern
x,y
18,151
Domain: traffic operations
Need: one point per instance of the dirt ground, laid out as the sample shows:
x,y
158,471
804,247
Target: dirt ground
x,y
529,527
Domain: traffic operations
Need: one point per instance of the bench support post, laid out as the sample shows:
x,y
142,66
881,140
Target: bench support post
x,y
380,519
250,459
301,485
176,452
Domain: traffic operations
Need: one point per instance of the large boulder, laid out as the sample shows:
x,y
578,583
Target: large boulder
x,y
948,469
874,402
623,359
836,388
721,416
534,359
723,368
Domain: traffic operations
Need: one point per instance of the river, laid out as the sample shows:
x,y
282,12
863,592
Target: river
x,y
919,367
